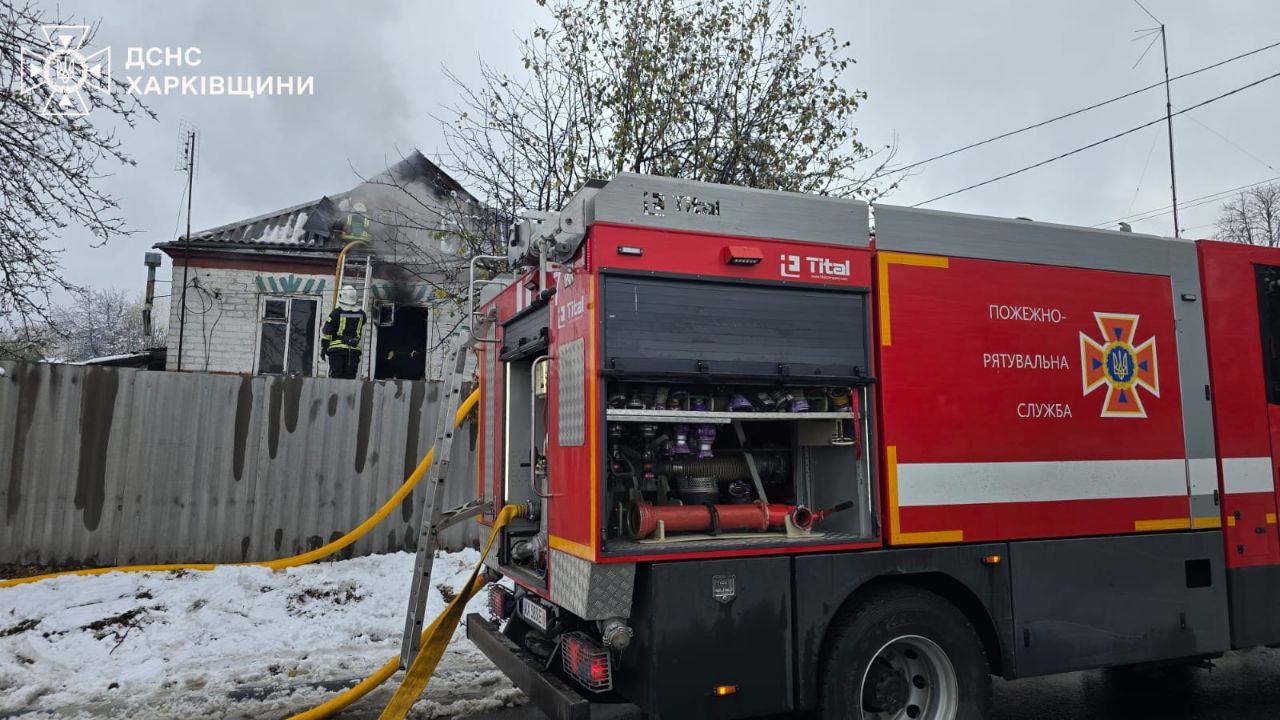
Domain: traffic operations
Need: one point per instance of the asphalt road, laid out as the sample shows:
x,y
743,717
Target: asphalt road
x,y
1240,686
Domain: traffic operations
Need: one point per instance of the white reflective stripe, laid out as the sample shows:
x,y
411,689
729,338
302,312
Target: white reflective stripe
x,y
1008,482
1247,475
1204,475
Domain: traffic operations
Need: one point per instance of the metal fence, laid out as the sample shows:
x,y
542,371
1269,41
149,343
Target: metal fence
x,y
114,466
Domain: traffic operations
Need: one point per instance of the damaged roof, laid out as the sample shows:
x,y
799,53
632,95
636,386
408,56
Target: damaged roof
x,y
298,226
308,226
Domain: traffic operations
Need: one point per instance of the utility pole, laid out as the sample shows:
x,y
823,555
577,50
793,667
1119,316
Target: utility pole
x,y
1168,116
186,156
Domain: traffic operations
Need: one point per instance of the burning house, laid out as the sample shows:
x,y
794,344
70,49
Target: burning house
x,y
258,289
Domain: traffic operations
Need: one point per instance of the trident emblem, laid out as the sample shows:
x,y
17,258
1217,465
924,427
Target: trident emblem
x,y
1119,365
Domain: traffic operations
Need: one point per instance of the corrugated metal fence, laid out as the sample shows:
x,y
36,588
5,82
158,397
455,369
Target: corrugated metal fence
x,y
114,466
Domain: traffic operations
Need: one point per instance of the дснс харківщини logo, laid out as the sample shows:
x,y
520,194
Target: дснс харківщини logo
x,y
65,71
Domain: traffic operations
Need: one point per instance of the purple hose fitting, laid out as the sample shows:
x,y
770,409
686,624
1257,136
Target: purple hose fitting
x,y
681,446
706,436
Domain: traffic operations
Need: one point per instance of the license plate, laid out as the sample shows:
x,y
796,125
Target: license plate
x,y
534,613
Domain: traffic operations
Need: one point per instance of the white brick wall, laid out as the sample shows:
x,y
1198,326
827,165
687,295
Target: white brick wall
x,y
224,308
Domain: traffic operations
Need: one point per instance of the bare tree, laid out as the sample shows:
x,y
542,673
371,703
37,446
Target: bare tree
x,y
726,91
49,174
1252,218
98,323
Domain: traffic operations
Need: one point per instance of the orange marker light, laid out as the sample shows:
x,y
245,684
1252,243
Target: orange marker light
x,y
722,690
992,560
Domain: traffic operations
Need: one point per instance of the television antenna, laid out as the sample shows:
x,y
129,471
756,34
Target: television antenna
x,y
188,152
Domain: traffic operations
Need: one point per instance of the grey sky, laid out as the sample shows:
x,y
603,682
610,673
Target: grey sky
x,y
940,74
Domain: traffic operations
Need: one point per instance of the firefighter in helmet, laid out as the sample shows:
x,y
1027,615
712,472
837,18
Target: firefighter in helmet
x,y
356,224
340,337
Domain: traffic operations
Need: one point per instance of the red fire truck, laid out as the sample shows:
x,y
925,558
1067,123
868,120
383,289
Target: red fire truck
x,y
777,463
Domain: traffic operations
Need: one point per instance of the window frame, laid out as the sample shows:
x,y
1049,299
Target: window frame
x,y
260,319
1266,325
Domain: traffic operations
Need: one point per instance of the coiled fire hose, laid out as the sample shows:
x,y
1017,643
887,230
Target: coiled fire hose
x,y
319,553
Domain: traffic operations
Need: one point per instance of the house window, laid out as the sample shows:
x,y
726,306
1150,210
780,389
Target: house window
x,y
288,336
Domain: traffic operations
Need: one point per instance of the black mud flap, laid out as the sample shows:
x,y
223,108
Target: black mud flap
x,y
548,693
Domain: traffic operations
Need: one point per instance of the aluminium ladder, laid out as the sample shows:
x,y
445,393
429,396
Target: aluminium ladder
x,y
356,271
433,520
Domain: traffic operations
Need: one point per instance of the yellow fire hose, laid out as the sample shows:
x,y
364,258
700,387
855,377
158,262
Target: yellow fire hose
x,y
434,640
293,561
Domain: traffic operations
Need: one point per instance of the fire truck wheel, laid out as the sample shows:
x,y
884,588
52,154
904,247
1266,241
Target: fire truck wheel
x,y
904,654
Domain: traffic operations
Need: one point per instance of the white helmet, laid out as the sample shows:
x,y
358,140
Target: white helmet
x,y
360,208
347,296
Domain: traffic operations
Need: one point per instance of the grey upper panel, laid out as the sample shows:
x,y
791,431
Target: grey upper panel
x,y
652,201
979,236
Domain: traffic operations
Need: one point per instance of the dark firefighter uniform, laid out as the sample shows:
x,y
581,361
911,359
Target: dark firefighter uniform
x,y
340,340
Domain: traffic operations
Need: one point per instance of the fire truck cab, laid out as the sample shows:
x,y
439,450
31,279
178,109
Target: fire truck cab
x,y
777,463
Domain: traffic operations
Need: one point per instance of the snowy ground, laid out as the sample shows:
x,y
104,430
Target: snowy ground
x,y
231,643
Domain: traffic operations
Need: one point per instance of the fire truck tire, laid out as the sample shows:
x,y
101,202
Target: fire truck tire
x,y
904,654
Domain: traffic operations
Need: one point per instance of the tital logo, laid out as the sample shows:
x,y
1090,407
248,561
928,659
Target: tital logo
x,y
814,267
65,71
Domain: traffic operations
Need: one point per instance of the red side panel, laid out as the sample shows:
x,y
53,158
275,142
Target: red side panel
x,y
1244,424
572,512
1027,401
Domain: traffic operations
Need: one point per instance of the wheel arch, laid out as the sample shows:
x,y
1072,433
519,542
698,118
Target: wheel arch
x,y
948,588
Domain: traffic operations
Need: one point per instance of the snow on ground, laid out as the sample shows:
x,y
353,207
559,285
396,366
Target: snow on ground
x,y
235,642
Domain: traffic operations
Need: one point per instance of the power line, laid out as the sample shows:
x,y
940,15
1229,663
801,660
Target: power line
x,y
1073,113
1092,145
1186,204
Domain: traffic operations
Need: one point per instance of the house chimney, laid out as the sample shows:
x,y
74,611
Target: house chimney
x,y
152,261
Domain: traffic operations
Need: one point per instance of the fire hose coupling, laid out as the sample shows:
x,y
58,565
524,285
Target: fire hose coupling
x,y
615,633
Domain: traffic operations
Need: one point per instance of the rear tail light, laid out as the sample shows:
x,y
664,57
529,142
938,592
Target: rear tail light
x,y
586,661
502,602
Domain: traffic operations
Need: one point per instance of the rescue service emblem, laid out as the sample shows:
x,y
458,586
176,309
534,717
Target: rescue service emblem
x,y
1119,365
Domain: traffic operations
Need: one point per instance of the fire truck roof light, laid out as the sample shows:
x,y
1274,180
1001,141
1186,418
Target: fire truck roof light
x,y
722,690
630,250
742,255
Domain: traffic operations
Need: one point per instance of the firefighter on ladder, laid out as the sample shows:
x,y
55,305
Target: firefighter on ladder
x,y
356,225
340,337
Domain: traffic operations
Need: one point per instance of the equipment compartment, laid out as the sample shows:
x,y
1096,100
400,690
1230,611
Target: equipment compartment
x,y
698,328
691,466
